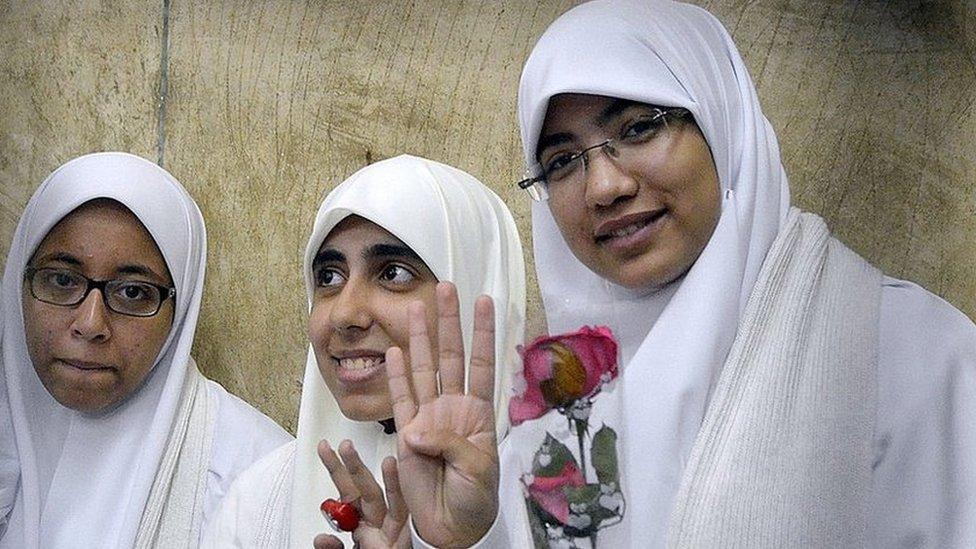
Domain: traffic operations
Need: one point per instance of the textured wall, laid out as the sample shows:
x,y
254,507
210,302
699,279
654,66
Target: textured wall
x,y
260,108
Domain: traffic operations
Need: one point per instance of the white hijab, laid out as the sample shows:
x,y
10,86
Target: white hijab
x,y
675,340
465,235
84,479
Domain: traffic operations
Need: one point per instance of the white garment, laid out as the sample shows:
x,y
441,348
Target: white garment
x,y
675,342
464,234
85,478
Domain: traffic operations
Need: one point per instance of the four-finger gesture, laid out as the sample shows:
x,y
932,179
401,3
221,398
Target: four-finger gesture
x,y
448,459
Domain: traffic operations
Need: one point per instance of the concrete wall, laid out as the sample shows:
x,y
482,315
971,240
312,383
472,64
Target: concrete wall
x,y
260,108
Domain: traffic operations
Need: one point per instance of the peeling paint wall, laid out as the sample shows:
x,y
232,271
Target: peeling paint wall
x,y
260,108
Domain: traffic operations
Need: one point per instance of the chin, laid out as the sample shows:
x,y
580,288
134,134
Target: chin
x,y
81,402
366,408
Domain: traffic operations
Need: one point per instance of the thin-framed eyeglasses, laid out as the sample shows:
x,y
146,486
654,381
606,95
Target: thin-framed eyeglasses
x,y
67,288
629,146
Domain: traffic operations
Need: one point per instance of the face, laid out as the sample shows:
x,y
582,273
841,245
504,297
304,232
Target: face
x,y
88,357
364,279
642,219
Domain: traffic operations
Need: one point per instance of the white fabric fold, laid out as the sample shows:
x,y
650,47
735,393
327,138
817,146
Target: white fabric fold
x,y
174,510
783,458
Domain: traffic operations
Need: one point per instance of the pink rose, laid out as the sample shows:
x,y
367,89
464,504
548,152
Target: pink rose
x,y
548,493
561,369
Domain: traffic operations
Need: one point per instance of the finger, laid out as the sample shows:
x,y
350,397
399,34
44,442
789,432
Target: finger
x,y
397,513
340,476
469,460
423,371
326,541
371,503
401,395
482,382
450,343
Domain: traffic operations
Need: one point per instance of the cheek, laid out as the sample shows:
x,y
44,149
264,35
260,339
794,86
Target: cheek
x,y
572,219
40,331
318,326
142,346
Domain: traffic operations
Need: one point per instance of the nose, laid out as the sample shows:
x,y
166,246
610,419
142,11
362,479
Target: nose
x,y
350,313
91,319
605,182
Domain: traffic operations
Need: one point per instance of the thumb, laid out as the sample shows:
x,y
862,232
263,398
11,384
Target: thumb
x,y
326,541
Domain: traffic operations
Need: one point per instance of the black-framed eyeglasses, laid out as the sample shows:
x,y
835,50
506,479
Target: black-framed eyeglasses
x,y
624,149
68,288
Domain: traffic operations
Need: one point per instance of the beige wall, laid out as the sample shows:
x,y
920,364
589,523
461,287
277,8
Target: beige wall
x,y
260,108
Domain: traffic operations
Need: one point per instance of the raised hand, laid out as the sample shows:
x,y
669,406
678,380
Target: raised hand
x,y
383,521
446,437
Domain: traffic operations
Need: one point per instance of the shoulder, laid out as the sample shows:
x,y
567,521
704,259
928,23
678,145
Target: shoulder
x,y
926,347
241,432
256,507
916,322
924,443
241,436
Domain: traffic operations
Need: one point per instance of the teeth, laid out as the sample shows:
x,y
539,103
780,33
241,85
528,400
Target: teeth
x,y
359,363
628,230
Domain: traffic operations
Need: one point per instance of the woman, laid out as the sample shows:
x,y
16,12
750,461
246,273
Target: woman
x,y
775,390
119,440
382,239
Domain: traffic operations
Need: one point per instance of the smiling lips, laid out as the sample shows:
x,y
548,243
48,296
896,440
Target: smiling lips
x,y
358,367
628,231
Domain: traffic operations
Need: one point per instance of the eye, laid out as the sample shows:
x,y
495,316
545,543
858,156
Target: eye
x,y
642,128
560,165
326,277
396,274
62,280
136,291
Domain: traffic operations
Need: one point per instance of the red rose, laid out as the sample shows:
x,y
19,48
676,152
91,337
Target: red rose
x,y
561,369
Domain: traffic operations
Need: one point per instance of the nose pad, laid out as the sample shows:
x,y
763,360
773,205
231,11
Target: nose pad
x,y
91,318
605,182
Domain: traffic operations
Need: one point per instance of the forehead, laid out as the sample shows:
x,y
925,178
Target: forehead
x,y
102,232
357,233
566,110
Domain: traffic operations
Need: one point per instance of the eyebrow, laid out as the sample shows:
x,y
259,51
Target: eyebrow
x,y
328,255
613,110
61,257
607,115
391,250
126,269
138,269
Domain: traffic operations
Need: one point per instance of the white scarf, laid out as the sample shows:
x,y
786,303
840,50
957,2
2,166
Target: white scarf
x,y
85,479
673,341
466,235
783,458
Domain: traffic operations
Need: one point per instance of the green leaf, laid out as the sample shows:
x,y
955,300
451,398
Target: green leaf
x,y
603,455
552,465
588,494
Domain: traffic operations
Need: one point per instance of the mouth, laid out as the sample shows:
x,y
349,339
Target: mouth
x,y
630,230
84,365
356,367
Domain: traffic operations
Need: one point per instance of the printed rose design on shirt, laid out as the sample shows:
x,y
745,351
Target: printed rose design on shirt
x,y
566,373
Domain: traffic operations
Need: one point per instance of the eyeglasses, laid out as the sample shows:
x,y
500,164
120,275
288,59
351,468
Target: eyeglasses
x,y
68,288
634,139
